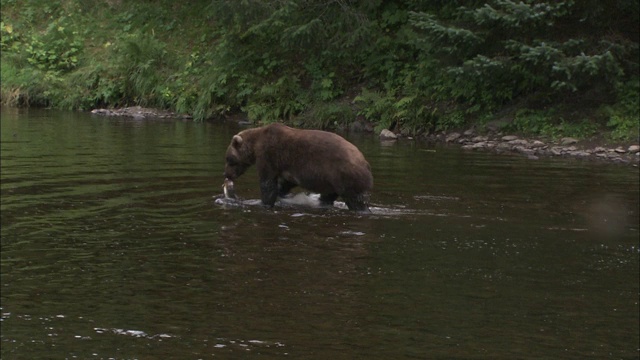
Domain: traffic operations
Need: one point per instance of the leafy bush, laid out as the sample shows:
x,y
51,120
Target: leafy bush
x,y
326,115
624,117
426,65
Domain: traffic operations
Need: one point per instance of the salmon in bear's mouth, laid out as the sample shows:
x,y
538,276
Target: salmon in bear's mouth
x,y
229,190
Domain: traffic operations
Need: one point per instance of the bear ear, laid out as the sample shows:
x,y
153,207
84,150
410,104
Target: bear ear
x,y
237,141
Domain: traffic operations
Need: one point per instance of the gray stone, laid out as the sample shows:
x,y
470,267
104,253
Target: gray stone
x,y
568,141
452,137
524,150
509,138
386,134
579,153
538,144
479,138
620,150
518,142
469,132
633,149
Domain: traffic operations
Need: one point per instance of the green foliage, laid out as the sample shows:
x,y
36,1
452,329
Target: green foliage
x,y
624,117
9,39
276,101
388,111
326,115
423,66
451,120
57,49
142,61
550,123
503,49
376,107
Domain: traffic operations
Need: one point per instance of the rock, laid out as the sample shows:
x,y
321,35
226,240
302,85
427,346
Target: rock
x,y
518,142
633,149
469,132
509,138
579,153
555,151
138,112
599,149
524,150
387,134
452,137
479,138
538,144
568,141
620,150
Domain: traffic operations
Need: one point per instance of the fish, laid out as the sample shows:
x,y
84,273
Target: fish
x,y
229,190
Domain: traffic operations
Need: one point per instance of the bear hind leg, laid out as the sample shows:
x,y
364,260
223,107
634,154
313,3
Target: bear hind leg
x,y
328,199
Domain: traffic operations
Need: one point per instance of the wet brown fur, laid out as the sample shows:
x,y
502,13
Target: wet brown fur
x,y
318,161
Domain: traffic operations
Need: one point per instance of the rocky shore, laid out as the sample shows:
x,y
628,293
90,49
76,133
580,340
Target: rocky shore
x,y
531,148
138,112
470,139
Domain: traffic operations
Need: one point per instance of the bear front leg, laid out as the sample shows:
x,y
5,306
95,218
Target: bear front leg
x,y
269,191
284,187
356,203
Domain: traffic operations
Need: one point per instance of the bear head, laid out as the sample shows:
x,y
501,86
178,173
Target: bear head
x,y
238,158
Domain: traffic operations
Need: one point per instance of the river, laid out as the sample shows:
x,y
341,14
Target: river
x,y
113,247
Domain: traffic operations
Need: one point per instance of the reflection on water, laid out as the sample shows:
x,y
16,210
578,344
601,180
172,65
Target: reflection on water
x,y
113,246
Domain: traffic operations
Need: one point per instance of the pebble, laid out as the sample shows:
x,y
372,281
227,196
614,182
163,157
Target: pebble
x,y
633,149
509,138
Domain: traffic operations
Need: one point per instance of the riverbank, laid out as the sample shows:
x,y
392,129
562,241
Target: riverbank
x,y
532,148
472,139
594,148
423,66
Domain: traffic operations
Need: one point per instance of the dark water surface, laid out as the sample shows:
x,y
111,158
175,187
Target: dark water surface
x,y
113,248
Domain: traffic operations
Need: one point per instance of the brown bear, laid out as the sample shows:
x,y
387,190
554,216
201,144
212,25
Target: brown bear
x,y
318,161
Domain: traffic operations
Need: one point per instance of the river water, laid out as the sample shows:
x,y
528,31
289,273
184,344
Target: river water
x,y
113,247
